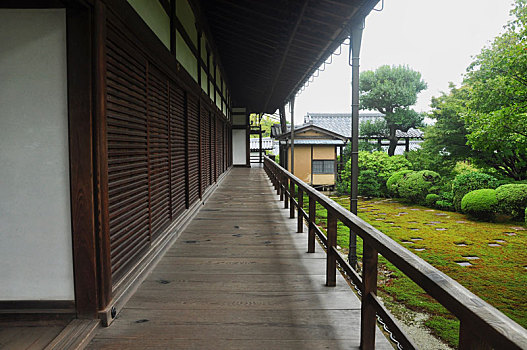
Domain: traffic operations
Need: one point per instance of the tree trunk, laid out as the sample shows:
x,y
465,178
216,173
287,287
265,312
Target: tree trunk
x,y
393,142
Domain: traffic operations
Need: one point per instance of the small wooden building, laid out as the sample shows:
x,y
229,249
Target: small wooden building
x,y
315,154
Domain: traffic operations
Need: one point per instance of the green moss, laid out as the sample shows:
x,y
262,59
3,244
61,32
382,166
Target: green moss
x,y
445,328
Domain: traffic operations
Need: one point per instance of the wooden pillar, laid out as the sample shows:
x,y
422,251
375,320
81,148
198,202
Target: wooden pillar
x,y
331,260
312,219
80,119
369,286
292,199
407,145
300,224
104,269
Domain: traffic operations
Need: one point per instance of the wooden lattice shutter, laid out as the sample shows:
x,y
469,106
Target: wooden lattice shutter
x,y
193,147
127,153
159,148
177,149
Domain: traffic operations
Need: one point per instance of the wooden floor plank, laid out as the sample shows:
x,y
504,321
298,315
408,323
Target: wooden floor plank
x,y
239,277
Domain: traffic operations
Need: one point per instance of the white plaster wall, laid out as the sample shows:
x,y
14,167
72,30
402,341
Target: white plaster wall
x,y
239,146
35,227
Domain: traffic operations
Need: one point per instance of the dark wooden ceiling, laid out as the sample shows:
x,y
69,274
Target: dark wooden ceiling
x,y
268,48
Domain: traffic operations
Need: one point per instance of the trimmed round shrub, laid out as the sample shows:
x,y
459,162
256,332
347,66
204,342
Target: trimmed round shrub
x,y
512,200
431,199
445,205
414,187
369,185
464,183
393,182
480,204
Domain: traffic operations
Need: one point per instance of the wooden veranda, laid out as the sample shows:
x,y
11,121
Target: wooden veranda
x,y
239,277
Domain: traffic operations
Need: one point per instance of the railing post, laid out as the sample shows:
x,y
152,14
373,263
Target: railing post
x,y
280,178
369,286
331,259
311,220
468,339
300,224
292,199
286,196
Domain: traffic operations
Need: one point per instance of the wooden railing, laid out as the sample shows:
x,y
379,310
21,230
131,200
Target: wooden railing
x,y
481,325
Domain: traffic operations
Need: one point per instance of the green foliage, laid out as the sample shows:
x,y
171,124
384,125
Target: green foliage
x,y
266,122
415,186
497,113
525,216
373,128
379,162
465,183
512,200
392,184
431,199
391,91
446,141
382,164
445,205
480,204
369,185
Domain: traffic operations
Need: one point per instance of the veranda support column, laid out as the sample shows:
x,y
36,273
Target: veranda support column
x,y
356,38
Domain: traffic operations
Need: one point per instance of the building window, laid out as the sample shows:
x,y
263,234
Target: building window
x,y
323,167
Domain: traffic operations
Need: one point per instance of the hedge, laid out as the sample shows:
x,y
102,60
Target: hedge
x,y
415,186
512,200
464,183
481,204
392,184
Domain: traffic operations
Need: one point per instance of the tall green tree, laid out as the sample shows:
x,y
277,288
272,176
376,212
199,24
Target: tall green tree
x,y
445,142
496,117
392,91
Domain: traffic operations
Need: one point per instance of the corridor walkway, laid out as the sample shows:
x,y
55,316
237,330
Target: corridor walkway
x,y
239,277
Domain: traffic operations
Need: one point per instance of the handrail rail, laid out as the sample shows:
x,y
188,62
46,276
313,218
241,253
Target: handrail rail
x,y
481,325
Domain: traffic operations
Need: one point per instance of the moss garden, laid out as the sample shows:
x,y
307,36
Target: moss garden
x,y
488,258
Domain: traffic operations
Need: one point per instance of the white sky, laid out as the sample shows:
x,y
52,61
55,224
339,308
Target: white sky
x,y
438,38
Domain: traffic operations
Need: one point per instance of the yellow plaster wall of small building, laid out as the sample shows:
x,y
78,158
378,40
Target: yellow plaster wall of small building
x,y
302,162
324,152
323,179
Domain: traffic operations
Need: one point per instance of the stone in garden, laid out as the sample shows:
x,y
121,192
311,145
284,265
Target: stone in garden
x,y
414,229
379,219
510,233
463,263
435,222
461,244
518,228
494,245
500,241
415,209
416,239
402,208
441,214
419,249
471,257
461,222
429,210
402,213
406,242
441,229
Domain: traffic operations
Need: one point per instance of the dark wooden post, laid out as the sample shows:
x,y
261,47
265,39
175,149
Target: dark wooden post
x,y
286,196
312,220
292,199
369,286
280,177
407,145
300,225
331,260
468,339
